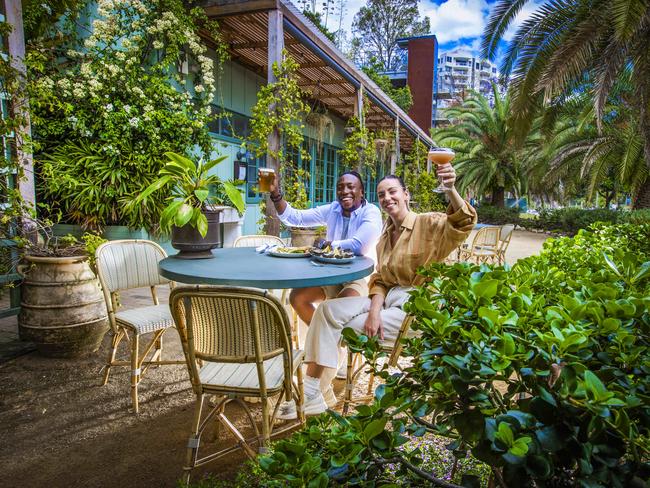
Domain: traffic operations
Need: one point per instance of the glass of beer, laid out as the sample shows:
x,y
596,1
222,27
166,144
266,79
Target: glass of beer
x,y
440,155
266,177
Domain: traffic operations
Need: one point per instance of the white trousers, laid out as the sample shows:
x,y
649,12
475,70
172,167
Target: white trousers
x,y
332,316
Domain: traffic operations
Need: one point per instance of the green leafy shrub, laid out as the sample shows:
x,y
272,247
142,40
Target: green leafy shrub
x,y
488,214
539,371
108,99
570,220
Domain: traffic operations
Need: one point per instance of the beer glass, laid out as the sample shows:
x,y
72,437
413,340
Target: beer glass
x,y
266,177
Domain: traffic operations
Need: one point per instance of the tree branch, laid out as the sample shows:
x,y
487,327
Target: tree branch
x,y
423,474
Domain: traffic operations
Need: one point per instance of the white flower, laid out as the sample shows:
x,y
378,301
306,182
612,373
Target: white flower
x,y
158,45
127,108
199,88
109,107
134,121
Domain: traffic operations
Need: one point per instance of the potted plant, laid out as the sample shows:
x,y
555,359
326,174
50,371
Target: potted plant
x,y
62,307
192,214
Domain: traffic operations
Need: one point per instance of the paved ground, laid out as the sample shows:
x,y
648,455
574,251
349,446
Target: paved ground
x,y
60,428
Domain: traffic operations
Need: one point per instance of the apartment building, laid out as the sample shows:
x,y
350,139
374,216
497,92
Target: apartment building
x,y
461,70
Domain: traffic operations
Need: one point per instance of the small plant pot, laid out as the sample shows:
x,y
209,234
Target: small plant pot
x,y
305,236
190,243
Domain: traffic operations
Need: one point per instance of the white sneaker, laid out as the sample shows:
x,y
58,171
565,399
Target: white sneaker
x,y
315,405
342,372
330,397
287,411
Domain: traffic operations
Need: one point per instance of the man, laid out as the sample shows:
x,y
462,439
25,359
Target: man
x,y
352,223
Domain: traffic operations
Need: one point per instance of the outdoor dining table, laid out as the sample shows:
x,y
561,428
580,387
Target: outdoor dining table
x,y
243,266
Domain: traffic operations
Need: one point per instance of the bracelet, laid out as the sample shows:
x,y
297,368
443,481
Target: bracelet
x,y
277,198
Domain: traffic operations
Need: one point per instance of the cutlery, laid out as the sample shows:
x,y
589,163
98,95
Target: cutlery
x,y
320,265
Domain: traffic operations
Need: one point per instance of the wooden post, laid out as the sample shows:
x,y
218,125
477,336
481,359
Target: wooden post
x,y
275,48
19,106
396,154
358,111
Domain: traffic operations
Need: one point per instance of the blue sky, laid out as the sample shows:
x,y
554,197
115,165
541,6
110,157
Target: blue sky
x,y
454,22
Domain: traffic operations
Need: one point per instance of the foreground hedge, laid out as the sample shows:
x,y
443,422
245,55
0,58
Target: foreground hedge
x,y
539,371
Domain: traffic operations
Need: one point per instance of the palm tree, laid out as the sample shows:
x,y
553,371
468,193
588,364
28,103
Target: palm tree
x,y
565,42
485,144
574,154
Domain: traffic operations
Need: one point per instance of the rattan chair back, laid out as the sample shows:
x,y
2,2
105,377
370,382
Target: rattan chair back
x,y
230,325
487,237
257,240
129,263
506,232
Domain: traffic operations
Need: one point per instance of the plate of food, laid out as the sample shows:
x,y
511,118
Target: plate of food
x,y
291,252
332,256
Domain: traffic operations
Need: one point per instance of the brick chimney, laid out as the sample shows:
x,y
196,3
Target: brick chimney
x,y
422,57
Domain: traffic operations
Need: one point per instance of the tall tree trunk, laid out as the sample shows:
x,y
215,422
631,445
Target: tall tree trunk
x,y
642,197
498,197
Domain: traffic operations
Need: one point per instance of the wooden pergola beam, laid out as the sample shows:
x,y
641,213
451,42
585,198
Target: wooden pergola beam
x,y
216,8
324,82
259,45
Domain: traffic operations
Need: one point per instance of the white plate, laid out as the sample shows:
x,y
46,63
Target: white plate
x,y
333,260
289,255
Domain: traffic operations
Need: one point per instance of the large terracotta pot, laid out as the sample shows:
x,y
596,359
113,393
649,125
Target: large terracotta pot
x,y
62,306
303,236
191,244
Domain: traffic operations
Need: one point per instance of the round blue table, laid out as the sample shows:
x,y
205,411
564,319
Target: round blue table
x,y
242,266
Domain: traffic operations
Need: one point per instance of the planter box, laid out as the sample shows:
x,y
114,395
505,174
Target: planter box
x,y
114,233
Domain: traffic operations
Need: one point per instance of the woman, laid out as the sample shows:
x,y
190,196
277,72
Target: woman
x,y
352,223
409,240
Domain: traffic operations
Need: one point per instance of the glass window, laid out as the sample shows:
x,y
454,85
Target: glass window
x,y
449,59
251,178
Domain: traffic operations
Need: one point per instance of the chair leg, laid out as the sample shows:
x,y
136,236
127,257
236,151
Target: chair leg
x,y
349,383
135,371
301,396
159,348
295,325
371,383
115,341
193,442
266,431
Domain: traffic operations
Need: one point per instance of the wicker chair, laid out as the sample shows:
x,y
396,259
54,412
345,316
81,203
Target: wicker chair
x,y
483,248
257,240
505,234
236,344
356,364
124,265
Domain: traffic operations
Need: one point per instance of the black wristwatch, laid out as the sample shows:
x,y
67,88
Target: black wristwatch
x,y
276,198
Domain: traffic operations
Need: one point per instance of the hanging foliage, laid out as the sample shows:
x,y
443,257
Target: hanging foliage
x,y
358,147
280,107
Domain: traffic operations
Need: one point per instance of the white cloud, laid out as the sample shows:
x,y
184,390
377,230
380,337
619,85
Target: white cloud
x,y
452,21
456,19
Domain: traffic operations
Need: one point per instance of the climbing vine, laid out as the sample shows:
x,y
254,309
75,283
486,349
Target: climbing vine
x,y
281,107
359,146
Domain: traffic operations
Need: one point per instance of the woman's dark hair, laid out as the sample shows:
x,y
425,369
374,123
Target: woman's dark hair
x,y
394,177
358,177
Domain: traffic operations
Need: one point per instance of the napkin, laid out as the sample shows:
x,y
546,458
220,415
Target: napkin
x,y
266,248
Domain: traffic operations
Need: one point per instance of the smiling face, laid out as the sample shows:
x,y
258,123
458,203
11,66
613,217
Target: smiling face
x,y
393,199
349,192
